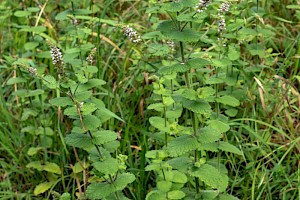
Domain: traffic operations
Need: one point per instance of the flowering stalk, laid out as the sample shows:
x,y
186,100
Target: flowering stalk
x,y
202,5
57,58
131,34
221,23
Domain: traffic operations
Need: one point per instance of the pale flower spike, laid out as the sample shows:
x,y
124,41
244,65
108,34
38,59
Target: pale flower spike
x,y
132,34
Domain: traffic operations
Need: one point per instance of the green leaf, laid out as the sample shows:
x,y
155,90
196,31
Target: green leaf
x,y
198,106
225,146
182,145
164,186
232,112
176,194
209,194
34,150
91,122
108,167
198,63
99,190
160,124
228,100
233,53
179,177
172,7
205,92
221,63
123,180
50,81
52,167
78,140
156,106
102,137
168,29
35,165
213,146
208,135
211,177
227,197
156,154
62,101
81,78
42,187
44,130
156,195
178,67
22,13
82,96
256,49
65,196
17,80
88,108
31,45
92,83
36,29
79,167
219,125
180,163
71,111
159,49
27,113
189,93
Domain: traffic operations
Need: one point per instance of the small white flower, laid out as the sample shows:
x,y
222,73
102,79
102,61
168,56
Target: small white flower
x,y
202,5
132,34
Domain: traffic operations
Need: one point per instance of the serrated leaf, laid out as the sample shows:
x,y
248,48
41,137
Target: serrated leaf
x,y
82,96
159,49
176,194
71,111
219,125
214,80
44,130
65,196
164,186
211,177
209,194
52,167
197,106
205,92
88,108
102,137
99,190
62,101
16,80
228,100
160,124
213,146
225,146
182,145
178,67
168,29
198,63
227,197
108,167
123,180
221,63
179,177
156,154
189,93
180,163
172,7
208,135
78,140
43,187
50,81
256,49
91,122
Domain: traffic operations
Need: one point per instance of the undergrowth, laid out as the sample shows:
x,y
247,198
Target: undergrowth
x,y
150,100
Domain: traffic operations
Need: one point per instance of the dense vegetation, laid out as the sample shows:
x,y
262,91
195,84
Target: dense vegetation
x,y
152,100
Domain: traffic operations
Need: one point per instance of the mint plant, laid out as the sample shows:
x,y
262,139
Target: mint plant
x,y
193,98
